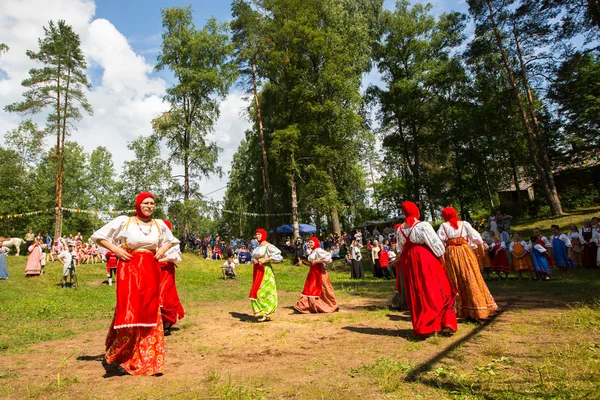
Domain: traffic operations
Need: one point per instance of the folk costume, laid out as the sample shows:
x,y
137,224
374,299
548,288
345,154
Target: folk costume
x,y
34,259
135,338
589,255
3,267
474,298
357,271
318,295
170,305
521,260
430,296
577,250
263,294
500,261
560,244
539,255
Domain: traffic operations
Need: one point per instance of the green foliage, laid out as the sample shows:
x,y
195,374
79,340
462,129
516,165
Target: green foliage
x,y
201,63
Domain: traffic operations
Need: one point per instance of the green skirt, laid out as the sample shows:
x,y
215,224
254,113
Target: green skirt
x,y
265,304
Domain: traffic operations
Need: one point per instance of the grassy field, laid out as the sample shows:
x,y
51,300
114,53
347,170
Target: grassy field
x,y
544,344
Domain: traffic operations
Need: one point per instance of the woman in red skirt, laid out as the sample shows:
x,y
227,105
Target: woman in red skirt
x,y
318,295
135,339
500,261
429,295
170,305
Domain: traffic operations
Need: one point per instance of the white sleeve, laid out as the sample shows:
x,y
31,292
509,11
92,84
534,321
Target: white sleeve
x,y
323,255
166,236
431,239
400,240
581,236
547,243
110,231
274,253
472,234
502,245
526,246
563,238
540,248
511,248
173,254
442,233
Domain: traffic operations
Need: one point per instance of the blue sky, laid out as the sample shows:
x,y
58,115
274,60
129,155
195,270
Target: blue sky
x,y
120,40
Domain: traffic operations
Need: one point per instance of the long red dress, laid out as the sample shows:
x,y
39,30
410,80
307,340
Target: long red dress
x,y
318,295
429,295
171,307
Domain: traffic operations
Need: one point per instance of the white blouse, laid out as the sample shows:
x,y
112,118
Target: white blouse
x,y
124,231
511,248
465,230
267,251
421,233
563,238
319,254
540,248
576,235
547,243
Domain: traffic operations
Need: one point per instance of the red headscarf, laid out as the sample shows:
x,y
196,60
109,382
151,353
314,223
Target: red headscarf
x,y
138,201
315,241
450,216
411,212
168,224
263,234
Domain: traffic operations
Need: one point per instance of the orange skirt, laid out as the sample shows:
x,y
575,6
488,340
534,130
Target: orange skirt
x,y
474,298
325,303
523,263
139,350
483,257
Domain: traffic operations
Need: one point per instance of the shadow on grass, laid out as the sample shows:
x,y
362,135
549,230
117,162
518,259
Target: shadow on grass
x,y
243,317
110,370
421,369
403,333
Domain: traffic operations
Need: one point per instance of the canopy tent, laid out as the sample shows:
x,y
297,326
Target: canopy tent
x,y
289,229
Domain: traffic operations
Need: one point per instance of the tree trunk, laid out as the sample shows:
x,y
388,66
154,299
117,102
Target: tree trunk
x,y
335,216
58,177
431,205
531,144
294,200
267,182
515,174
554,200
594,8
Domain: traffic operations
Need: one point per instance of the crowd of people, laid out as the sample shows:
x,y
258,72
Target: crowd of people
x,y
439,274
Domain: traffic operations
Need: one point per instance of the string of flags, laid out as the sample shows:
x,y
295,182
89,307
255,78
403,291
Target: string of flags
x,y
73,210
252,214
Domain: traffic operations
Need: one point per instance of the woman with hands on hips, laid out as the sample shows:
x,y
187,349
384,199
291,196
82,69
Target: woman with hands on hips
x,y
135,339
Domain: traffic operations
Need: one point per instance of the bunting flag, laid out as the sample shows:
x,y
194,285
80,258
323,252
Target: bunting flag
x,y
73,210
251,214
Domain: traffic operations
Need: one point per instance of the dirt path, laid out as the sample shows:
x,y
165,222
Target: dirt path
x,y
218,352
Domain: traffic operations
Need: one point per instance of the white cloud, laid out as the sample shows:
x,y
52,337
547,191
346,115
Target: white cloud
x,y
125,96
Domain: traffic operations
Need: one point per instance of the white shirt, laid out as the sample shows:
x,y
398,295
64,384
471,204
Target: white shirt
x,y
66,257
563,238
522,242
576,235
319,254
267,251
173,254
540,248
124,230
465,230
420,233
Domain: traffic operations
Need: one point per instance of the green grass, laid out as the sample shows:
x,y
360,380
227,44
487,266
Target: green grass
x,y
525,226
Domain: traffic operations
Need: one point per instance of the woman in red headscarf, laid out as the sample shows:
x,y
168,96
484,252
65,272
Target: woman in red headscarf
x,y
474,298
170,305
318,295
135,339
429,295
263,294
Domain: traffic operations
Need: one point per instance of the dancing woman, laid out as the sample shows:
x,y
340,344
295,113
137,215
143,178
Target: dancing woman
x,y
318,295
474,298
135,338
429,295
263,294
